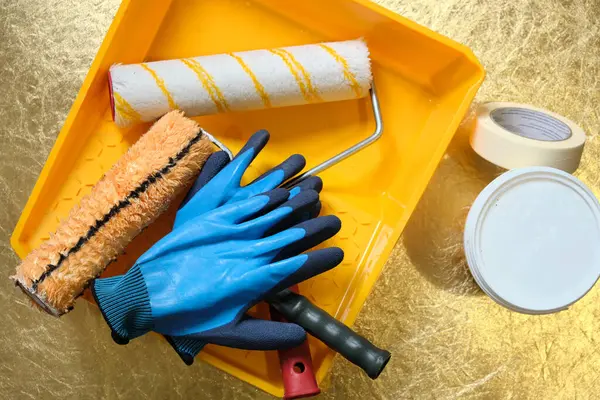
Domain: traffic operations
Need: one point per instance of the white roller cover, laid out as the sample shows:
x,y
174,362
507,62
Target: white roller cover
x,y
240,81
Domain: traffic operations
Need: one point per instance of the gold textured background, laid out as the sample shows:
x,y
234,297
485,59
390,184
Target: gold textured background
x,y
448,340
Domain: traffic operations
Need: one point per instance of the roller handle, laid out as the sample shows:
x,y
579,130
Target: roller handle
x,y
355,348
296,368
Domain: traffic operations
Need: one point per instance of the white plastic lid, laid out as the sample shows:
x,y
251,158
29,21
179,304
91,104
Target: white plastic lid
x,y
532,240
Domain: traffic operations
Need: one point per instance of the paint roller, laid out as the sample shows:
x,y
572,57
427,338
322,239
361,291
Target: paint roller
x,y
128,198
240,81
248,80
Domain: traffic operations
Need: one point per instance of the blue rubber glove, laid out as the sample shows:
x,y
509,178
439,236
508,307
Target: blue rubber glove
x,y
199,280
188,348
219,181
224,178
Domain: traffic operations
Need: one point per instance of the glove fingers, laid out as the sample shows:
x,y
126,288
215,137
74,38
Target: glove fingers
x,y
272,178
215,163
255,334
312,183
316,230
302,267
225,184
307,213
314,213
290,167
246,209
257,142
300,237
300,204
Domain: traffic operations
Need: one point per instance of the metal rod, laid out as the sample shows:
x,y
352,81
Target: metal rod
x,y
350,151
218,143
335,159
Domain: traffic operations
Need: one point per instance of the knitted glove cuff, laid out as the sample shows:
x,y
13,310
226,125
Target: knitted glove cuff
x,y
125,304
187,348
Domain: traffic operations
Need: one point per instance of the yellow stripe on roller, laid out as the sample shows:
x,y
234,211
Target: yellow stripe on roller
x,y
212,83
260,89
124,109
304,73
161,85
295,74
208,83
347,73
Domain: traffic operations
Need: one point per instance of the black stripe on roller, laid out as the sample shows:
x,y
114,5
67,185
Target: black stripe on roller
x,y
116,209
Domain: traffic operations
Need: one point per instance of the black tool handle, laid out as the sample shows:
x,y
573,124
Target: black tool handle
x,y
355,348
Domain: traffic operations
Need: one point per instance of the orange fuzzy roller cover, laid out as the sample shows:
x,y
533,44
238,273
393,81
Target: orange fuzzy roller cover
x,y
129,197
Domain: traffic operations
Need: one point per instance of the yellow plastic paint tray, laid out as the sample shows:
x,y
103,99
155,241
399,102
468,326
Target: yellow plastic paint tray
x,y
425,84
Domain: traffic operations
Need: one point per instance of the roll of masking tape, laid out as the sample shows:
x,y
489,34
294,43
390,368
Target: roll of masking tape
x,y
513,135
